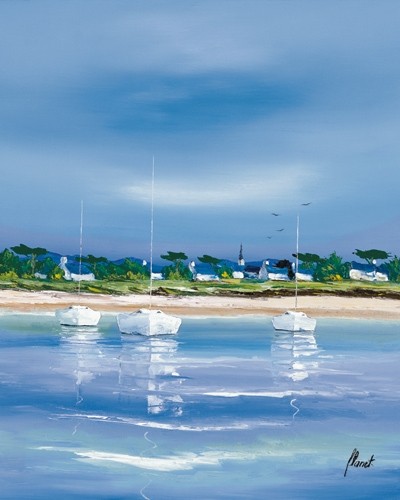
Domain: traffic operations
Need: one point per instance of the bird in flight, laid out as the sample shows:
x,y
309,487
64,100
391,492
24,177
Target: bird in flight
x,y
280,229
276,215
306,204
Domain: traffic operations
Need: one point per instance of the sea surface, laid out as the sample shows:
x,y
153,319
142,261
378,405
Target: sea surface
x,y
226,409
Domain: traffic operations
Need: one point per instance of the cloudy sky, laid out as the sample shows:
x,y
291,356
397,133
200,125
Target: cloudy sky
x,y
248,106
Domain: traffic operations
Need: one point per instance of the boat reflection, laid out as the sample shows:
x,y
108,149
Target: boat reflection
x,y
148,369
294,355
82,355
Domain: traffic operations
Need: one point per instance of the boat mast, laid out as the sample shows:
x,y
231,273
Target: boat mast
x,y
80,249
296,269
151,233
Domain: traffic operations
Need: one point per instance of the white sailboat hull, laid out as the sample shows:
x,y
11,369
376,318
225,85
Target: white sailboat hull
x,y
294,321
148,322
78,316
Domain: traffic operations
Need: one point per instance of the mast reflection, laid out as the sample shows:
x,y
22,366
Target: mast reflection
x,y
294,355
82,355
148,368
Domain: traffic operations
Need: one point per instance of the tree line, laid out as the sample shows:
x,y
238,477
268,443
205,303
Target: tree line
x,y
22,261
334,268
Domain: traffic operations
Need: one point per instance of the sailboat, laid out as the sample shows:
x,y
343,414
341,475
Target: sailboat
x,y
78,315
295,321
149,321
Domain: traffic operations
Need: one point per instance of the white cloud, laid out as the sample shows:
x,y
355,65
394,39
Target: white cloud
x,y
261,187
58,41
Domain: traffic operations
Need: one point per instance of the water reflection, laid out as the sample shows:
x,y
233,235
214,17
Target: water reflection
x,y
294,355
294,359
82,355
148,367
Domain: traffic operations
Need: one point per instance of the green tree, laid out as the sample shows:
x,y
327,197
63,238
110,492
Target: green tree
x,y
393,269
111,271
177,270
9,262
174,256
96,264
32,253
207,259
214,262
50,268
224,271
221,270
332,268
371,255
309,260
134,270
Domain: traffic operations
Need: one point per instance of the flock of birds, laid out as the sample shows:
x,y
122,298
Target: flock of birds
x,y
277,215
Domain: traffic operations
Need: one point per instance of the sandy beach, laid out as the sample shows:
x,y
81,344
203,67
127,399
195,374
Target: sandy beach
x,y
317,306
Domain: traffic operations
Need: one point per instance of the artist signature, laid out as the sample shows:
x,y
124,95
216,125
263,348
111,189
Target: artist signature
x,y
354,462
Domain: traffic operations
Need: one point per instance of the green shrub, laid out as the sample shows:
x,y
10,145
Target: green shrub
x,y
55,273
8,275
309,260
177,271
332,268
130,275
33,253
393,268
224,271
48,266
97,265
9,262
134,270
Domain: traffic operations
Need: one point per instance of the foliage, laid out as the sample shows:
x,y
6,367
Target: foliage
x,y
393,269
95,264
332,268
22,249
48,266
207,259
56,274
308,260
174,256
133,270
34,253
9,262
246,287
128,270
371,255
177,270
23,261
223,271
8,276
109,271
286,264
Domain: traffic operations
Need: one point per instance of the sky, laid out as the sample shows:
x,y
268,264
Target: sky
x,y
248,107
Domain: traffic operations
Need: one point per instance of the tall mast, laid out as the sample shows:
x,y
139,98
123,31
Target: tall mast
x,y
151,233
296,269
80,248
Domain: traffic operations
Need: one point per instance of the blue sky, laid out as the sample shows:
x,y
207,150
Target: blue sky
x,y
248,107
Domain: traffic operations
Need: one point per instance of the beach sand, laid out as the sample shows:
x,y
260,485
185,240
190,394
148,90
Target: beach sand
x,y
317,306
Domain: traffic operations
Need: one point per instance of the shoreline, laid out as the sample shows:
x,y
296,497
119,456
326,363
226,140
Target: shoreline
x,y
328,306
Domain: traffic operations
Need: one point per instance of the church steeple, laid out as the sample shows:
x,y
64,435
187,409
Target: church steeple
x,y
241,258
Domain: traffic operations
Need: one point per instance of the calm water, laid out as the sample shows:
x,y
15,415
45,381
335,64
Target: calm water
x,y
226,409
